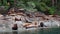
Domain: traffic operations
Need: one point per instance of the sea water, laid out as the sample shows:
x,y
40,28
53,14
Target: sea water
x,y
38,31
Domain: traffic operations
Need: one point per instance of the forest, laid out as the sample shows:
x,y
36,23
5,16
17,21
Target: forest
x,y
46,6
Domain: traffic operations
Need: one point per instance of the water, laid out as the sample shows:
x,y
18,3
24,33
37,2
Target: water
x,y
40,31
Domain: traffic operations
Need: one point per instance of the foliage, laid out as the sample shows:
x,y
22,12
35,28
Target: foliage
x,y
40,5
31,5
52,10
28,6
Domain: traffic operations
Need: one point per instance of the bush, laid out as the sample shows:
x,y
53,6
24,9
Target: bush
x,y
52,10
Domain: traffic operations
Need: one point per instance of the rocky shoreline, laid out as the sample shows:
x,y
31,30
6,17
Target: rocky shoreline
x,y
22,19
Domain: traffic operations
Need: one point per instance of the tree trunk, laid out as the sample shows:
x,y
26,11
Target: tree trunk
x,y
53,3
56,2
15,2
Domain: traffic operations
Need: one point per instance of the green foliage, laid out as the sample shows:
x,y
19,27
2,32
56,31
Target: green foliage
x,y
41,6
45,1
32,5
28,6
52,10
6,7
20,4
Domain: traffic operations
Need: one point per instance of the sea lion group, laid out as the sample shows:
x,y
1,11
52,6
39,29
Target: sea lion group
x,y
21,18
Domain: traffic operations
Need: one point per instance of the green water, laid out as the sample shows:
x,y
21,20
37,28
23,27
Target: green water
x,y
40,31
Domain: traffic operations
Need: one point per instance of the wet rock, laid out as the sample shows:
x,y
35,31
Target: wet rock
x,y
15,27
52,23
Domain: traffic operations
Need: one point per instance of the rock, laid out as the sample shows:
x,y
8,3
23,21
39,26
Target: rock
x,y
52,23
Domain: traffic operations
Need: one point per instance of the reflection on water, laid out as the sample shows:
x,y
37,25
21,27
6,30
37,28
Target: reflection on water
x,y
40,31
15,32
